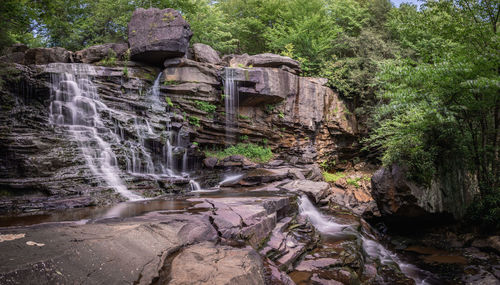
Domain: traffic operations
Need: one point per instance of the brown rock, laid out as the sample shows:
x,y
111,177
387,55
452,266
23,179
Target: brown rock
x,y
206,263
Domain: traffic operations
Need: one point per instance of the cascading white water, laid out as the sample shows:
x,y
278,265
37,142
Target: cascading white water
x,y
231,104
373,249
76,106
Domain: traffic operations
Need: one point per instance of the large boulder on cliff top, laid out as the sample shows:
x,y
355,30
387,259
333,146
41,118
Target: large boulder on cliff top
x,y
205,53
99,52
155,35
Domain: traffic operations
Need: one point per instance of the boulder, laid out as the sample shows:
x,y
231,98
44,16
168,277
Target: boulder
x,y
400,200
205,53
186,70
263,60
39,56
257,86
99,52
155,35
315,190
207,263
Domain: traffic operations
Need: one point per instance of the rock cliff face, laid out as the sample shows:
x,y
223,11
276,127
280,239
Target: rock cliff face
x,y
143,109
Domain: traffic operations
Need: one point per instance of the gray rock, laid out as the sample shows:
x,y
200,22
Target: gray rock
x,y
155,35
210,162
205,53
263,60
99,52
315,190
40,56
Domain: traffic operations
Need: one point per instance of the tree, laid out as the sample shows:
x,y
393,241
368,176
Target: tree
x,y
442,104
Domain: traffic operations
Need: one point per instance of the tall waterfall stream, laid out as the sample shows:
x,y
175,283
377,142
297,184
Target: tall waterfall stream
x,y
76,107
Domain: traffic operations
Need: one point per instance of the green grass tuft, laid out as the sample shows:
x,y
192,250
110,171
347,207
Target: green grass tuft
x,y
253,152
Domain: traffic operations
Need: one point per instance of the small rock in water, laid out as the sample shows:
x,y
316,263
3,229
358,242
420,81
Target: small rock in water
x,y
10,237
32,243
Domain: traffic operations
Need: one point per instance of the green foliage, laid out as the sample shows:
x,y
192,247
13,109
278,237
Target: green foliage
x,y
253,152
333,177
281,115
109,60
169,102
205,106
485,212
195,121
243,138
440,105
243,117
353,181
125,71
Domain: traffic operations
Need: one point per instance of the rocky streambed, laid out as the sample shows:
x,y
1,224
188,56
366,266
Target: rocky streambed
x,y
271,232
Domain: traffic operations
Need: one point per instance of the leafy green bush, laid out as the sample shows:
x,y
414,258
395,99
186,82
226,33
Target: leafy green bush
x,y
195,121
205,106
253,152
243,117
169,101
485,212
333,177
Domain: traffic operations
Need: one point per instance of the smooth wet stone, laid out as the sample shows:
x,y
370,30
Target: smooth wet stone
x,y
207,263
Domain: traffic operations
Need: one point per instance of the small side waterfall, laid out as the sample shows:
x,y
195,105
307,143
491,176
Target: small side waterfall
x,y
374,250
231,104
76,106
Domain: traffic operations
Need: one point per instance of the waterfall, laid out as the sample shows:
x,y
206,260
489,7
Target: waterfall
x,y
155,94
76,106
231,104
373,249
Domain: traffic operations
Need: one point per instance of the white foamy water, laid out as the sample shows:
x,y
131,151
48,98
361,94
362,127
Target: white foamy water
x,y
76,106
374,250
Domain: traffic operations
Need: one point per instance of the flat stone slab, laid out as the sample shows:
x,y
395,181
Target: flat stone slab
x,y
207,263
106,253
315,190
